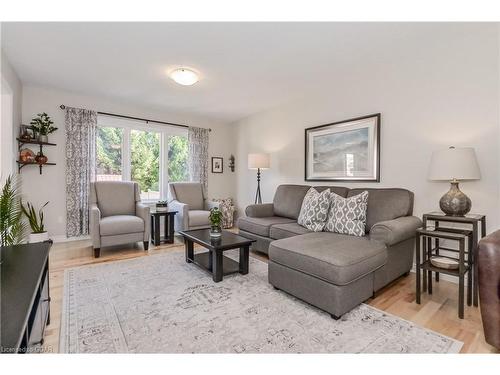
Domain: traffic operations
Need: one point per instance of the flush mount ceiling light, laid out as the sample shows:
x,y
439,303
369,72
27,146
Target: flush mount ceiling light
x,y
184,76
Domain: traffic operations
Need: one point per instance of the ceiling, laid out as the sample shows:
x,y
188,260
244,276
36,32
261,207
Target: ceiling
x,y
245,68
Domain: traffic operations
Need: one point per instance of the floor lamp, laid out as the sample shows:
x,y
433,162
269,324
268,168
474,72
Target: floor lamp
x,y
258,161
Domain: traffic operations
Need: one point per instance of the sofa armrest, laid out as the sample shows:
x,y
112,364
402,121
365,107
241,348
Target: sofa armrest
x,y
95,218
394,231
260,210
142,211
181,220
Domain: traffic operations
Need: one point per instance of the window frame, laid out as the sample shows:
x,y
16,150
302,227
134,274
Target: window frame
x,y
128,125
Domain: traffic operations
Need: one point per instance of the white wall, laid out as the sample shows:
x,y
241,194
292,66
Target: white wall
x,y
431,93
51,184
11,113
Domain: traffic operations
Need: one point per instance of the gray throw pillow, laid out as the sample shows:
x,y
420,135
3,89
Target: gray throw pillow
x,y
314,210
347,215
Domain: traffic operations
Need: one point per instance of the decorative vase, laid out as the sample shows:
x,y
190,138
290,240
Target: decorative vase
x,y
41,158
454,202
38,237
43,138
215,231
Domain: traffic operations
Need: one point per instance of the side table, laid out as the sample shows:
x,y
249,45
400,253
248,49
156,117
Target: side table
x,y
473,221
168,223
463,237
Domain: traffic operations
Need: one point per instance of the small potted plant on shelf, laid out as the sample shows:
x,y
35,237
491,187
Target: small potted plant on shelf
x,y
215,219
42,125
38,232
162,206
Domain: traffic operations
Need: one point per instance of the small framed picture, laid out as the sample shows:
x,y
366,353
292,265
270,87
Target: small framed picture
x,y
217,164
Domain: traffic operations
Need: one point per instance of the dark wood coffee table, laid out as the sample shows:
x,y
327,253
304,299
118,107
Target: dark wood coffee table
x,y
214,260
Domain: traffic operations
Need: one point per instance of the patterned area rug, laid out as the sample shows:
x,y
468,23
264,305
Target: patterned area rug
x,y
163,304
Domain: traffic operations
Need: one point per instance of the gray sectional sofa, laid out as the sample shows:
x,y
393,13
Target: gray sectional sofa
x,y
334,272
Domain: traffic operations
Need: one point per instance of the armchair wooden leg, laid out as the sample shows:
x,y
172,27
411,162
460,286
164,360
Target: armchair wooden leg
x,y
146,245
97,252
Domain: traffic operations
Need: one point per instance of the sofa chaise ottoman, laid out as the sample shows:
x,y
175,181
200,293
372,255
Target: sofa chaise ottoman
x,y
332,271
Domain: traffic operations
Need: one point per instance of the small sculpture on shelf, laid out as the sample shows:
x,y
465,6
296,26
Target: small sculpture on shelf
x,y
41,158
25,133
42,127
26,156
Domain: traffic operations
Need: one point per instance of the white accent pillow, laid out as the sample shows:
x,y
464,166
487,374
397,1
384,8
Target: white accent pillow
x,y
347,215
314,210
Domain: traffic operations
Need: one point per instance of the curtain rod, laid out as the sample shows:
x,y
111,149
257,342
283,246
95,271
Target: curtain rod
x,y
62,106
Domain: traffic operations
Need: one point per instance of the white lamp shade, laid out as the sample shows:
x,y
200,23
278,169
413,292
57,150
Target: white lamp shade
x,y
256,161
454,163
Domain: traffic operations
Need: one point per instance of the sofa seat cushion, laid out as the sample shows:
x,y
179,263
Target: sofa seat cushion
x,y
198,218
261,225
336,258
120,224
279,231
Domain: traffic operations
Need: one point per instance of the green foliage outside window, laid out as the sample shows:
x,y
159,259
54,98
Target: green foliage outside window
x,y
145,159
109,150
177,158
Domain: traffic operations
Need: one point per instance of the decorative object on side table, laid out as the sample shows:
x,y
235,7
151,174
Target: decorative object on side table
x,y
217,164
258,161
42,127
215,219
12,226
38,232
161,206
454,165
231,163
344,151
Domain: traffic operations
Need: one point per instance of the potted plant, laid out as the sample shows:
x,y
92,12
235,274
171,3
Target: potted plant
x,y
38,232
215,219
12,226
42,125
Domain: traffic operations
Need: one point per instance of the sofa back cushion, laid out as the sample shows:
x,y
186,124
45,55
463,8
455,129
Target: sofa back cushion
x,y
288,198
385,204
190,193
115,197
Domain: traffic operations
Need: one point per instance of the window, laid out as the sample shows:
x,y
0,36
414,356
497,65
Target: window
x,y
152,155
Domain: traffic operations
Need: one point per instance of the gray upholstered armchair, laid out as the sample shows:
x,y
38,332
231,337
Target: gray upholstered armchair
x,y
116,215
189,199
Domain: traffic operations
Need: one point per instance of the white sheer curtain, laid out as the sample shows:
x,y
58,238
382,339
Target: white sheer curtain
x,y
198,155
80,168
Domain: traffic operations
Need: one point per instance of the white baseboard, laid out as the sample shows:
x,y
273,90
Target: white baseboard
x,y
62,238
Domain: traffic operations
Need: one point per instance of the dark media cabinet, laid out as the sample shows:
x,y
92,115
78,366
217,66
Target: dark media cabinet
x,y
25,299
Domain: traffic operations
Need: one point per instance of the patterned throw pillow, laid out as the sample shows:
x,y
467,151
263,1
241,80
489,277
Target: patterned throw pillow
x,y
347,215
314,210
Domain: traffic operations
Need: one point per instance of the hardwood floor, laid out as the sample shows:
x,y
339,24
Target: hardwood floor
x,y
437,312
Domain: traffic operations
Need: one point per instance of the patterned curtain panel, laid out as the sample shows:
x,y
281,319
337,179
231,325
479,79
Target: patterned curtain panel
x,y
80,168
198,155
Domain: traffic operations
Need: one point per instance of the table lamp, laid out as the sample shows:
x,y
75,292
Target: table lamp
x,y
454,165
258,161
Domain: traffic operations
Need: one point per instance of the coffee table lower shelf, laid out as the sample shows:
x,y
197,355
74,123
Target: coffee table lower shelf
x,y
204,260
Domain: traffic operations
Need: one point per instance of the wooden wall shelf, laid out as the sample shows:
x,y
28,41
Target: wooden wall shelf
x,y
22,142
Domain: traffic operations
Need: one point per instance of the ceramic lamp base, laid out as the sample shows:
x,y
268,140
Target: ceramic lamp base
x,y
455,202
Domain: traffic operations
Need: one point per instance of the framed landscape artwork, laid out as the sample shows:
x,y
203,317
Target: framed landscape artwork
x,y
344,151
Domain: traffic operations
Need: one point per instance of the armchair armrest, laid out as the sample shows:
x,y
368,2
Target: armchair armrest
x,y
181,220
95,218
260,210
142,211
394,231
